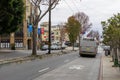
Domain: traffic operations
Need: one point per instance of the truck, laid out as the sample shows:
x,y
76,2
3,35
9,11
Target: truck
x,y
88,46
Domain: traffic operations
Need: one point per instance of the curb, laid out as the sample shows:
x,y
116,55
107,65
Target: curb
x,y
100,77
17,59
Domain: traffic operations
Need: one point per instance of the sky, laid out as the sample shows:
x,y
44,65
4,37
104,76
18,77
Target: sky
x,y
97,10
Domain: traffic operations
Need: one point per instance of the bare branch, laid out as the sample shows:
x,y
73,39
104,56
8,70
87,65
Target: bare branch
x,y
33,2
37,5
84,20
55,2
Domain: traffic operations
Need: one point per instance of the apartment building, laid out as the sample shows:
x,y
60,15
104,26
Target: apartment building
x,y
58,33
20,38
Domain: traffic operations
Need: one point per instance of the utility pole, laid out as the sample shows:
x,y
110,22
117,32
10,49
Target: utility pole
x,y
49,46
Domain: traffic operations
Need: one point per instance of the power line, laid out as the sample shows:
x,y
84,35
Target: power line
x,y
75,5
69,6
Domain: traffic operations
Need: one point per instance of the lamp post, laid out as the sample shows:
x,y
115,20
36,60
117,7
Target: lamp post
x,y
49,48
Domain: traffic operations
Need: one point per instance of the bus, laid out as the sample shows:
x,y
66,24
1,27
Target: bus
x,y
88,46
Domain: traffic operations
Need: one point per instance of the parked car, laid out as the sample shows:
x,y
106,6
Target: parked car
x,y
63,46
68,43
54,47
59,47
44,47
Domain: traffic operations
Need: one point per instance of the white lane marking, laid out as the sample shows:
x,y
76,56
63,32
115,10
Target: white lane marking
x,y
77,67
44,69
66,60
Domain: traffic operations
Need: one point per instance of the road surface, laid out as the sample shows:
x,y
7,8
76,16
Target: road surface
x,y
33,70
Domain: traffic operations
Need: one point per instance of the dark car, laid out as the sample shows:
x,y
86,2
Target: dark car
x,y
68,43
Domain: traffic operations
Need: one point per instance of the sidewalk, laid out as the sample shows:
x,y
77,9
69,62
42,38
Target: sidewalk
x,y
8,54
109,72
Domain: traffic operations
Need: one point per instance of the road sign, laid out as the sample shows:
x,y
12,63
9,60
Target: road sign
x,y
39,31
30,28
42,30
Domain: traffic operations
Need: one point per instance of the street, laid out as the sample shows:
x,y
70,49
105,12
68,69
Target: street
x,y
59,40
86,68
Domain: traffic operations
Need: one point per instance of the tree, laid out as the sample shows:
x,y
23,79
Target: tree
x,y
84,21
111,34
38,5
73,29
11,15
111,30
62,34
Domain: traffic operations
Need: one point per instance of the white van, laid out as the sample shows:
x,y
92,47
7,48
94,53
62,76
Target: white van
x,y
88,46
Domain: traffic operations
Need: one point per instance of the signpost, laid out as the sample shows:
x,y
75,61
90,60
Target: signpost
x,y
39,31
30,28
42,30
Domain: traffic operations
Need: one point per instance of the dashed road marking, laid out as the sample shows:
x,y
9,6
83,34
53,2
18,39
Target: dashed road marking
x,y
44,69
77,67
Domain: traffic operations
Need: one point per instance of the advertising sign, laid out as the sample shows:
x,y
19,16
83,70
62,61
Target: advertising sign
x,y
42,30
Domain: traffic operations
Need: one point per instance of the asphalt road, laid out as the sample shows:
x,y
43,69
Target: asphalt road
x,y
83,68
32,69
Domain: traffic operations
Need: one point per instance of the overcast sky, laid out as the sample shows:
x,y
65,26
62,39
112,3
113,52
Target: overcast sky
x,y
97,10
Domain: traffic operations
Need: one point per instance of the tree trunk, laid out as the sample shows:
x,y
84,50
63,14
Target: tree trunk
x,y
79,43
61,43
0,41
34,49
73,46
115,57
118,56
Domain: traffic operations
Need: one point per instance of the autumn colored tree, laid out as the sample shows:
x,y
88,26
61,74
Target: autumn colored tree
x,y
73,29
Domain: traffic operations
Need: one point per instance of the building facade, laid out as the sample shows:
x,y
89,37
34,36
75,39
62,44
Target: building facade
x,y
20,39
58,33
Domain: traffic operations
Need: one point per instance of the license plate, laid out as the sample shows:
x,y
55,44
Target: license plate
x,y
87,48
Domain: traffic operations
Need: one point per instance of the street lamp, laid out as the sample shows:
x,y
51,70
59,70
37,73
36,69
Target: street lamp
x,y
49,48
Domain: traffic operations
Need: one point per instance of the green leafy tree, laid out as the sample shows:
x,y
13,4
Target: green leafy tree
x,y
111,30
73,29
11,15
111,34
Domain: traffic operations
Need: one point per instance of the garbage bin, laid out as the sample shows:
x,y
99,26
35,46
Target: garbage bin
x,y
107,50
